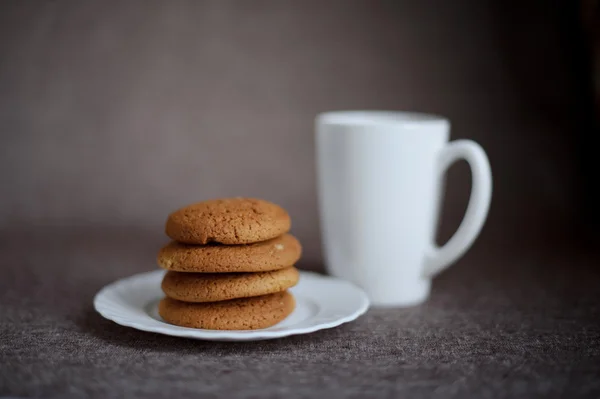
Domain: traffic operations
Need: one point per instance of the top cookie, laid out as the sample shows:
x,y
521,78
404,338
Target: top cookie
x,y
228,221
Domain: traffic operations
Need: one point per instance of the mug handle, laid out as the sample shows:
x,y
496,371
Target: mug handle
x,y
440,258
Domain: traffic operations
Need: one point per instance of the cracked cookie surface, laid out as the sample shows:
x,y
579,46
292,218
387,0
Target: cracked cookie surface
x,y
228,221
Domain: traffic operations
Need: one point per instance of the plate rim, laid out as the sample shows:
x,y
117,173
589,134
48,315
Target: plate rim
x,y
224,335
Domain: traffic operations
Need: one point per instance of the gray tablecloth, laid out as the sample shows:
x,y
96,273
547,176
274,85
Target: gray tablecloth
x,y
499,324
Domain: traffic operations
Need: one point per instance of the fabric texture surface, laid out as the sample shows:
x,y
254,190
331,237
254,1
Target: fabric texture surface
x,y
514,325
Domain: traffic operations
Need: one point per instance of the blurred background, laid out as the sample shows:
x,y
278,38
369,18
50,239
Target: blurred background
x,y
113,113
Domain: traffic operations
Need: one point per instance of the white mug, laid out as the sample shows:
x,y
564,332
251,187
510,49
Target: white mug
x,y
380,183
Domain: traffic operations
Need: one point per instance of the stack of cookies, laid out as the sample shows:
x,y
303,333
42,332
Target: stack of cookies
x,y
229,265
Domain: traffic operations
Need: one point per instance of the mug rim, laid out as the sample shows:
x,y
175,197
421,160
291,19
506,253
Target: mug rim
x,y
380,118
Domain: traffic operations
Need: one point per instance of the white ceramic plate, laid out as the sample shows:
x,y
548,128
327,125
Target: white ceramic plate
x,y
321,302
